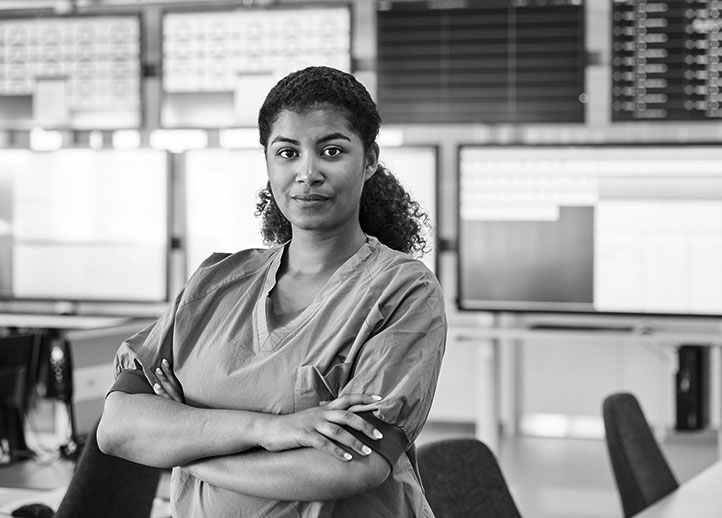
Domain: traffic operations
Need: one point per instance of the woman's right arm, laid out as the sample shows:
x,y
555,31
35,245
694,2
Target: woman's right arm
x,y
158,431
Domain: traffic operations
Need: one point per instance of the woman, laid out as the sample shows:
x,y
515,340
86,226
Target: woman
x,y
294,379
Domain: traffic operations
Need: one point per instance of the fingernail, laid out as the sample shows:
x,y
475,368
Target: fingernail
x,y
165,362
366,450
347,456
376,398
378,434
158,371
156,386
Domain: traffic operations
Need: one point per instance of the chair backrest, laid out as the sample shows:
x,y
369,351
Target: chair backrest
x,y
462,479
18,358
640,468
17,355
104,486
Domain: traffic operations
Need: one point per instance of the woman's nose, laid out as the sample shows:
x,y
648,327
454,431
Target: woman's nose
x,y
309,172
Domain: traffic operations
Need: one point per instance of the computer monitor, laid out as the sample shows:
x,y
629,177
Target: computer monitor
x,y
616,229
84,225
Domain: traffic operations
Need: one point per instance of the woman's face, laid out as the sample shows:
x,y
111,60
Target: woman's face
x,y
317,167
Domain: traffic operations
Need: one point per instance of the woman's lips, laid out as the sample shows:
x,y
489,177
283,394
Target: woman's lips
x,y
310,197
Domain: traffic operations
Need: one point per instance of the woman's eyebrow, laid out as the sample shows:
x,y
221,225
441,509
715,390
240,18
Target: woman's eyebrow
x,y
325,138
334,136
287,140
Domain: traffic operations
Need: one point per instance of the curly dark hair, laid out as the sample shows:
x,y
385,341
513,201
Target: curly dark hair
x,y
387,211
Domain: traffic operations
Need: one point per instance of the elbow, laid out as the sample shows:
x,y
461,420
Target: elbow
x,y
369,475
379,472
110,434
106,439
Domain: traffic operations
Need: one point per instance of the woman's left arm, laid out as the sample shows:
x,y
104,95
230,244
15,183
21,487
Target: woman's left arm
x,y
303,474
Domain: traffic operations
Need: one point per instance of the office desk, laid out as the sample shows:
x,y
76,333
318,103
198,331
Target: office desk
x,y
59,322
488,339
699,497
59,332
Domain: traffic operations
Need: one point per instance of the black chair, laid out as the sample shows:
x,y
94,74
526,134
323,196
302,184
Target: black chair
x,y
640,468
104,486
462,479
18,361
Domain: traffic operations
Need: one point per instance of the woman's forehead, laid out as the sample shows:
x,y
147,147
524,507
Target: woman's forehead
x,y
316,119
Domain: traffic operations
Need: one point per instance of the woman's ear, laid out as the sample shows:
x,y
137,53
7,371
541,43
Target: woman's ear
x,y
371,161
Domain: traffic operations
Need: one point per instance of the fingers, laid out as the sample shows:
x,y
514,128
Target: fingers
x,y
346,401
323,444
342,442
160,391
168,385
350,419
362,408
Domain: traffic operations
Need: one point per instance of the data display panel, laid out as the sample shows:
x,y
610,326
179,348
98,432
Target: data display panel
x,y
84,225
666,60
604,229
483,61
81,72
218,65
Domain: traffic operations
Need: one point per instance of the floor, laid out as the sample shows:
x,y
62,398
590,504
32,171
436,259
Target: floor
x,y
571,478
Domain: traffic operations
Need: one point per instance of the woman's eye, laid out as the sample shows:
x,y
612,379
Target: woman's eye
x,y
332,151
287,153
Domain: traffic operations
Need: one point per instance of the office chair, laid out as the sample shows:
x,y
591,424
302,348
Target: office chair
x,y
641,471
104,486
462,479
18,360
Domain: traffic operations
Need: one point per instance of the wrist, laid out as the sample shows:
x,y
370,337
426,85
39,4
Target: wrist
x,y
261,429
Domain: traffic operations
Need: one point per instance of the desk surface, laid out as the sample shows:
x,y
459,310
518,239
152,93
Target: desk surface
x,y
33,320
699,497
672,337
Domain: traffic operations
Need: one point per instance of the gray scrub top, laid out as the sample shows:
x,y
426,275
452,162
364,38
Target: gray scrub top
x,y
377,327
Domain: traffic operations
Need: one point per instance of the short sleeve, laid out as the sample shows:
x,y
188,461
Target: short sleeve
x,y
140,354
401,363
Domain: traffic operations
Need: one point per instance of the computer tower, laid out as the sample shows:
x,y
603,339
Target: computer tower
x,y
692,387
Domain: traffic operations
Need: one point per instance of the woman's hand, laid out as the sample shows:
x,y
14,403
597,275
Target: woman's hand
x,y
168,385
321,428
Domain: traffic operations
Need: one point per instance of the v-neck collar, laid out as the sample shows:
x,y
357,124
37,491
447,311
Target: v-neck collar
x,y
269,340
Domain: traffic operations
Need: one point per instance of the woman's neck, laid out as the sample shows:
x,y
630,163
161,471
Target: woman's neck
x,y
309,254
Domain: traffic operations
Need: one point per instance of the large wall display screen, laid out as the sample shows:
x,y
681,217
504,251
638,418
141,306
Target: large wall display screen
x,y
84,225
222,190
609,229
666,60
80,72
483,61
219,65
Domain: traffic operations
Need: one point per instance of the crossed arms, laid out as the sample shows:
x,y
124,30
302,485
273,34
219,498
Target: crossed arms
x,y
304,456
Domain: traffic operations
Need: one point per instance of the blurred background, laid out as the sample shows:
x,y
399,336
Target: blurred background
x,y
567,151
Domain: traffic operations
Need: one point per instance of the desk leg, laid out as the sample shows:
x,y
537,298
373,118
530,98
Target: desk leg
x,y
715,395
487,387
